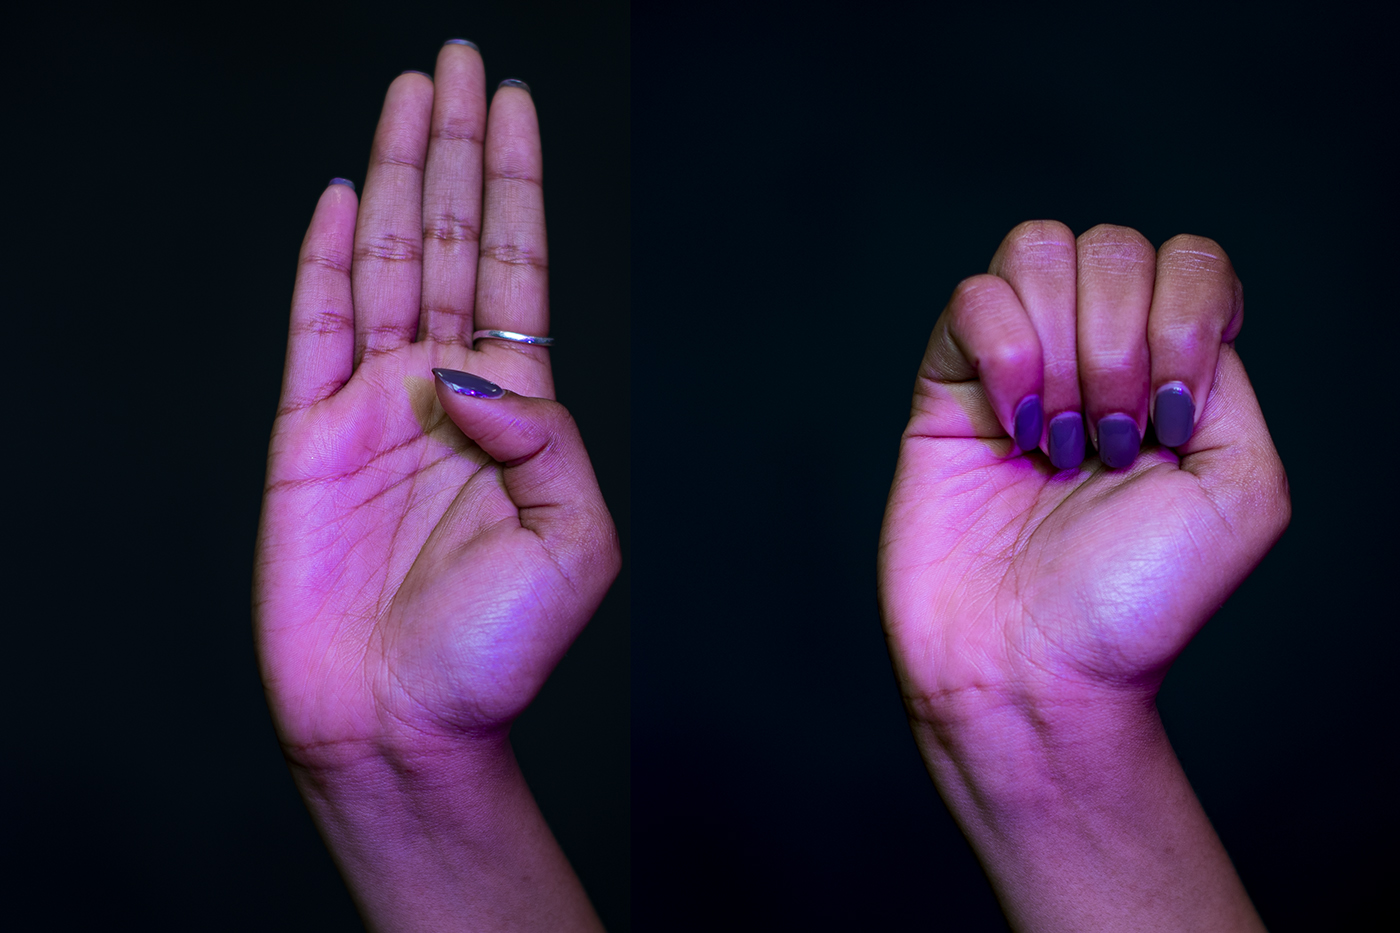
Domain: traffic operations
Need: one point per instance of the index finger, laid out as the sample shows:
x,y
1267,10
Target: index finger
x,y
983,374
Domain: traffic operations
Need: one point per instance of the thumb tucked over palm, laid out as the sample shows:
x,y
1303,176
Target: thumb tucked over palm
x,y
431,587
511,573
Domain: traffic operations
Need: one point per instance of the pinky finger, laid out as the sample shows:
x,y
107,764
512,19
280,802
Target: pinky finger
x,y
321,340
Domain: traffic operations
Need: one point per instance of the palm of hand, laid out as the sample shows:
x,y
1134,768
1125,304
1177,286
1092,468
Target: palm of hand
x,y
1015,572
404,591
382,605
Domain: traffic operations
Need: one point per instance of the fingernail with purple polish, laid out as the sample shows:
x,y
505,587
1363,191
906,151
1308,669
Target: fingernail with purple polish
x,y
414,71
1067,440
467,384
343,181
467,42
1119,441
1174,414
1030,418
515,82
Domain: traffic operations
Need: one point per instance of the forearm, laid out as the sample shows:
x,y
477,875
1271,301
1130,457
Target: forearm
x,y
1081,814
445,841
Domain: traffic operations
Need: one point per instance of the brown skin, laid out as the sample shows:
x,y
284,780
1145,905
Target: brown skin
x,y
425,558
1032,613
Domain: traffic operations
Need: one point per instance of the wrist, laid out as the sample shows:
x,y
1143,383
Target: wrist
x,y
442,835
1024,745
392,766
1079,811
399,813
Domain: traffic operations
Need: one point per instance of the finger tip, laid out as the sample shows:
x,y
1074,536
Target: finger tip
x,y
1066,442
1029,423
467,384
1119,440
1173,414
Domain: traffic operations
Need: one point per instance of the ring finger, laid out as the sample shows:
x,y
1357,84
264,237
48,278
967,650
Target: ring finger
x,y
512,290
452,195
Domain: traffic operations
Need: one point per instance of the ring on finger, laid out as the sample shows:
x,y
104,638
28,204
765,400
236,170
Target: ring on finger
x,y
512,336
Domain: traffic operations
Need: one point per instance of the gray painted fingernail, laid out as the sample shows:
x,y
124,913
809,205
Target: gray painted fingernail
x,y
516,82
1030,418
1173,415
1067,440
1119,441
343,181
467,384
414,71
467,42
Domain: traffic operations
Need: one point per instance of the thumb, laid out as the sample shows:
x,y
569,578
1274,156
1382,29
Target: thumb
x,y
547,472
1233,457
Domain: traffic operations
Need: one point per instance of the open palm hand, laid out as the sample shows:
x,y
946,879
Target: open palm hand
x,y
425,555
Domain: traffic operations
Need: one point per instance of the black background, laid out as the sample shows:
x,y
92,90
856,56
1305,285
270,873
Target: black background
x,y
811,182
161,170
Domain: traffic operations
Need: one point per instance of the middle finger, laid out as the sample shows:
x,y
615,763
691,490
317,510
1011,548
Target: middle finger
x,y
1117,268
452,195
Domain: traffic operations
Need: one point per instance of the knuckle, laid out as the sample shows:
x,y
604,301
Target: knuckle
x,y
438,309
518,175
1187,334
388,246
456,126
396,153
515,254
332,260
1039,244
323,323
1009,355
1112,365
452,228
1114,248
1194,255
976,292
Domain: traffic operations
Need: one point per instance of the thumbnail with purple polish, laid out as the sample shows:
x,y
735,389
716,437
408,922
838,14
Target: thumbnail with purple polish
x,y
1119,441
1067,440
467,42
414,71
1030,418
515,82
1174,414
468,384
343,181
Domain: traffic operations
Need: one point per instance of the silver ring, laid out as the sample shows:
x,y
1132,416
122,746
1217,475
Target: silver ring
x,y
512,336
